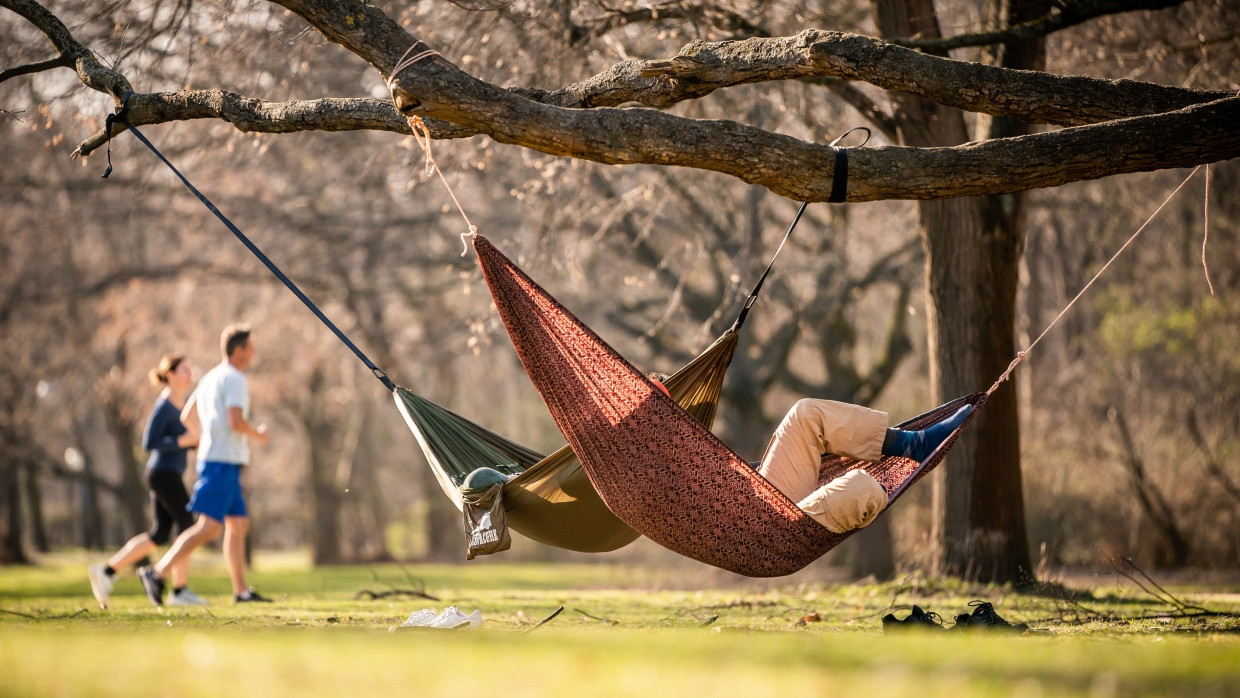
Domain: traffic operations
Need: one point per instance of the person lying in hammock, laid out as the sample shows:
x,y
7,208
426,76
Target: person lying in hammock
x,y
814,427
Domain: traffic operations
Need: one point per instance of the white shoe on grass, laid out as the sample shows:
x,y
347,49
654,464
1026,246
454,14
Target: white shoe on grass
x,y
419,619
186,597
452,619
101,584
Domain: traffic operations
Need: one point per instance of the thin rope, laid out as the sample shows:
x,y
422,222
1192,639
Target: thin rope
x,y
422,135
1205,238
1022,355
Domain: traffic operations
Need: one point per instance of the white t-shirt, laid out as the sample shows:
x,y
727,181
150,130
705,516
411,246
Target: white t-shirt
x,y
223,387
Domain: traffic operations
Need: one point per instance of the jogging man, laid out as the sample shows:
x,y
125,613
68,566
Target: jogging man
x,y
219,410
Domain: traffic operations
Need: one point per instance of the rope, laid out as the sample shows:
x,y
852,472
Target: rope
x,y
1022,355
1205,237
422,135
120,116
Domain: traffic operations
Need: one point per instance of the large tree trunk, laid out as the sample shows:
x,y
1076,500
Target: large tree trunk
x,y
971,275
34,500
11,550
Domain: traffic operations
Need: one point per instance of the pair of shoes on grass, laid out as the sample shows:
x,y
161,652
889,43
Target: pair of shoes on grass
x,y
449,619
983,617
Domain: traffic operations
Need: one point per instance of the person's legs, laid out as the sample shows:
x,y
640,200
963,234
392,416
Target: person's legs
x,y
171,505
134,549
204,531
236,528
812,428
103,577
918,445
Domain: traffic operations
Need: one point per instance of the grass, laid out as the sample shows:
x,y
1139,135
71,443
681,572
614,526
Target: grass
x,y
623,631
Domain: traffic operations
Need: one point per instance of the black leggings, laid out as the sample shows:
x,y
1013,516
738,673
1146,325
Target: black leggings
x,y
168,502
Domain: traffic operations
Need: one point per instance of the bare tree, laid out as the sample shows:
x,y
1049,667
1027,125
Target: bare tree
x,y
1099,118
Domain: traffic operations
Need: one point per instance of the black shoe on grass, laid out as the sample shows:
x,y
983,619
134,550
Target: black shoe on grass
x,y
917,619
985,618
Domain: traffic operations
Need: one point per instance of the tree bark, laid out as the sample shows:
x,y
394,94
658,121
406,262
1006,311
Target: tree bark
x,y
971,275
34,500
11,549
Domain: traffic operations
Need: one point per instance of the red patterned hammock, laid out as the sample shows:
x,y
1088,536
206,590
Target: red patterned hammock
x,y
656,467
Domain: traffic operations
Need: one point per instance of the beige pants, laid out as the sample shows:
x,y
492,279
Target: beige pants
x,y
812,428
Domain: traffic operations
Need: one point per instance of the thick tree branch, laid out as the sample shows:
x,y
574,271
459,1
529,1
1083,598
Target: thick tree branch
x,y
1070,13
1026,95
436,89
255,115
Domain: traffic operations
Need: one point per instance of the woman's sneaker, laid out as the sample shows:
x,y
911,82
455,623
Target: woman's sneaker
x,y
918,619
185,597
101,584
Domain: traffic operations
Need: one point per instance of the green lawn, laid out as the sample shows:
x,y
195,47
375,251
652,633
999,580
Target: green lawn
x,y
614,637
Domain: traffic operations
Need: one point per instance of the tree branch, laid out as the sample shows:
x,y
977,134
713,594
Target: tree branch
x,y
1071,13
90,71
789,167
59,62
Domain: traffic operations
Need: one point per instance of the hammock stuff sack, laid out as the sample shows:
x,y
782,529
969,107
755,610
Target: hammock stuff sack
x,y
655,466
550,499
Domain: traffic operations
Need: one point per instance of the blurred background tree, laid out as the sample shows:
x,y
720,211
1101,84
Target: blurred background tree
x,y
1130,404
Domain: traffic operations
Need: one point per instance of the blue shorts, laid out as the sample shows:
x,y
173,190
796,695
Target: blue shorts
x,y
217,493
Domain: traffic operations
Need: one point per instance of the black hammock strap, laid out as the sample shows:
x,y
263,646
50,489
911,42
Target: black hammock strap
x,y
120,116
839,192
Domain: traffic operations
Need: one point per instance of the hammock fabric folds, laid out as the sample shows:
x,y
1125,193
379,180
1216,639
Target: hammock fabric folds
x,y
550,499
656,467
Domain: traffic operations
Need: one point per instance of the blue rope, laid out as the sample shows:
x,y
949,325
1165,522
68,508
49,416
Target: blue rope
x,y
119,116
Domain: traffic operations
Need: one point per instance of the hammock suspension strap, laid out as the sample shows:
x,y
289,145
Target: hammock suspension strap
x,y
271,266
1022,355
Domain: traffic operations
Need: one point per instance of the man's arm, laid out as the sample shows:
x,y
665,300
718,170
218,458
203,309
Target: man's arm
x,y
238,422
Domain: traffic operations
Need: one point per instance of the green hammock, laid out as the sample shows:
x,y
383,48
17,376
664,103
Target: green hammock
x,y
550,499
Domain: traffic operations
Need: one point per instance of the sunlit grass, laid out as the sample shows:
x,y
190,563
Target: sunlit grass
x,y
325,635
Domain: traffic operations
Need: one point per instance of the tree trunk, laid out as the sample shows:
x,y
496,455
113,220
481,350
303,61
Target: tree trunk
x,y
11,550
971,275
34,500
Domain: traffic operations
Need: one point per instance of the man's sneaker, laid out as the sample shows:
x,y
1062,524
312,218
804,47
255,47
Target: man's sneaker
x,y
419,619
984,617
452,619
251,596
101,584
917,619
153,585
186,597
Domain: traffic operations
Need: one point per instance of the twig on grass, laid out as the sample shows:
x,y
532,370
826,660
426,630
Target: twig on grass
x,y
1158,592
607,621
1129,569
544,621
75,614
418,592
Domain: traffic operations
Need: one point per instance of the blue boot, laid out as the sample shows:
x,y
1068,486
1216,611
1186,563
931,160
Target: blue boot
x,y
918,445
